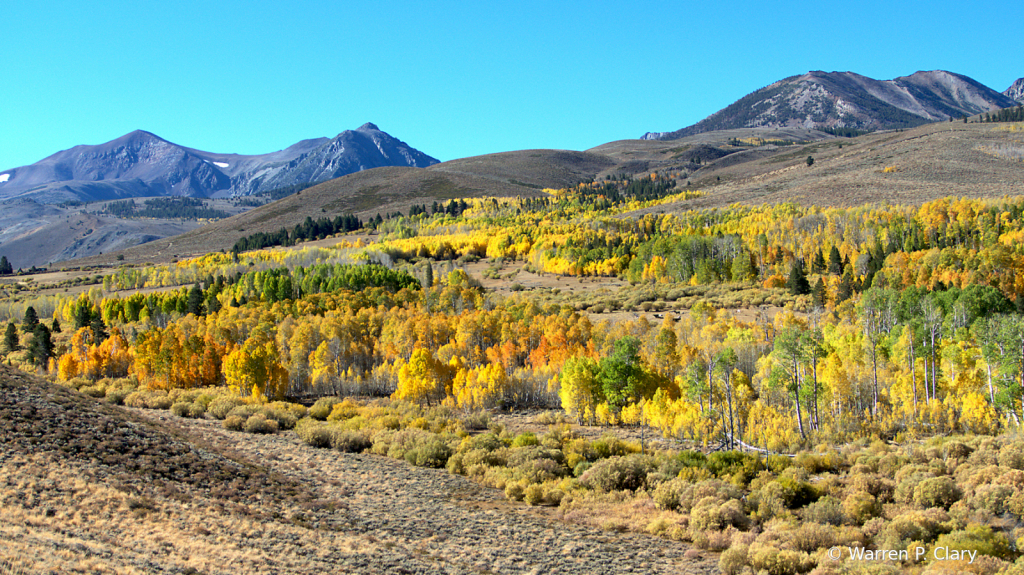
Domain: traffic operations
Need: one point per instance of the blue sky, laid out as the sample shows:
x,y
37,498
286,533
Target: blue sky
x,y
452,79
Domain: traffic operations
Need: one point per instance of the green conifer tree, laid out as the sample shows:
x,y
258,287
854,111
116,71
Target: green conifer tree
x,y
797,283
11,342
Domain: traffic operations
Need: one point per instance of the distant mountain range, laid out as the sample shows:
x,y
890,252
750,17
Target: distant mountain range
x,y
142,164
848,100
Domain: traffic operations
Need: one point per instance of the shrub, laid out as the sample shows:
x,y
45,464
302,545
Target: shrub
x,y
669,493
313,433
349,441
922,526
220,407
533,494
297,410
976,538
724,463
484,441
475,421
618,473
515,491
861,506
258,423
1012,455
96,391
710,514
196,410
768,559
244,411
234,422
148,400
551,418
828,511
345,409
733,560
284,418
525,439
557,436
809,537
872,483
936,492
117,396
496,458
180,409
891,463
540,470
609,446
908,484
957,450
992,498
322,408
418,447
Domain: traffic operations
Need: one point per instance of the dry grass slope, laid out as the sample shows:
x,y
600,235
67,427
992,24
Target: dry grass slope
x,y
90,488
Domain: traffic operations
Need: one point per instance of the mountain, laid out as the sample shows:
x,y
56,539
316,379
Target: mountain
x,y
142,164
1016,91
845,99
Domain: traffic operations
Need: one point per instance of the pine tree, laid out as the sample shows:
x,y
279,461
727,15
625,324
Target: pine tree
x,y
30,321
818,265
195,300
797,283
845,287
99,329
742,268
835,261
819,295
55,326
428,276
11,342
213,305
41,348
5,266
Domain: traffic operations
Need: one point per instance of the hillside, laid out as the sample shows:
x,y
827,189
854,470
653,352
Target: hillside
x,y
379,191
925,163
89,487
848,100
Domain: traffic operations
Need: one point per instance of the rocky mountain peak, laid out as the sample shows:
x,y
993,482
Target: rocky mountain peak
x,y
1016,91
849,100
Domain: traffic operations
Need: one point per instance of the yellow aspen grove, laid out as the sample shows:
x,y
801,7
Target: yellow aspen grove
x,y
254,369
423,379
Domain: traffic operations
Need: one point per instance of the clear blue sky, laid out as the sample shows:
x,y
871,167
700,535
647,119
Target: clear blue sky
x,y
452,79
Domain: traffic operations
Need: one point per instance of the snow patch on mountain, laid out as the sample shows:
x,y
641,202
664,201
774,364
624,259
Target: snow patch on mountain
x,y
4,178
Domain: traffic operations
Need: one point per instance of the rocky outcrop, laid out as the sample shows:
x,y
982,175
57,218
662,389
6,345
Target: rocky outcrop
x,y
1016,91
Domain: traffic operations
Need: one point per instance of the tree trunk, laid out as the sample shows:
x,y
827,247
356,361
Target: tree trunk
x,y
913,371
814,371
796,393
874,380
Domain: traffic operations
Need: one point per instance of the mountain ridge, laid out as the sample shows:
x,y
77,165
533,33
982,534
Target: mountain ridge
x,y
141,163
850,100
